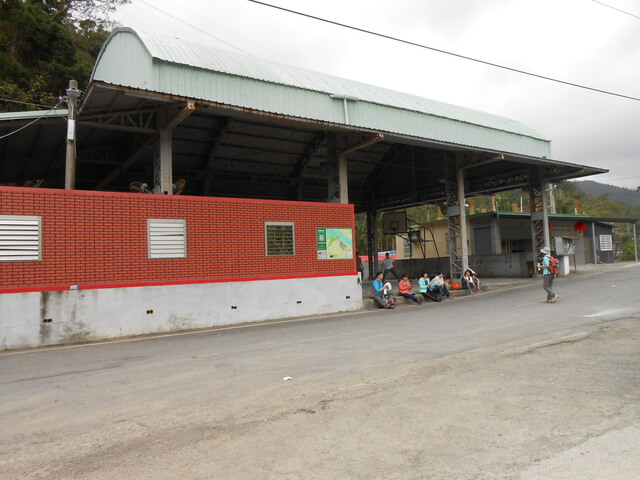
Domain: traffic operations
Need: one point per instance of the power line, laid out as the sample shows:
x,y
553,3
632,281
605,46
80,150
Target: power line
x,y
464,57
617,9
195,28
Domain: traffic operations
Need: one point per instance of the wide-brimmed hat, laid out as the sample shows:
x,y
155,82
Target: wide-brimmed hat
x,y
545,250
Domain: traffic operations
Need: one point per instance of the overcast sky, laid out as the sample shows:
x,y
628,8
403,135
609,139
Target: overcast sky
x,y
577,41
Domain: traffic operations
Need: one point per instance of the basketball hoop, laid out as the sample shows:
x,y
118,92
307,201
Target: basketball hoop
x,y
394,223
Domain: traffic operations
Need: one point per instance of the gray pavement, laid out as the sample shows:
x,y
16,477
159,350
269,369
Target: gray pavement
x,y
614,455
507,391
489,284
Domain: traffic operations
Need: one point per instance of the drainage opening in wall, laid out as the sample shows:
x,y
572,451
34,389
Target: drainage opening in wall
x,y
46,320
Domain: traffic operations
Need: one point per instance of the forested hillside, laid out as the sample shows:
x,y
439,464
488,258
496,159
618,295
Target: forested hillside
x,y
44,44
617,194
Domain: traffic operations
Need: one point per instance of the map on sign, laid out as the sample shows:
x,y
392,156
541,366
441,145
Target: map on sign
x,y
335,243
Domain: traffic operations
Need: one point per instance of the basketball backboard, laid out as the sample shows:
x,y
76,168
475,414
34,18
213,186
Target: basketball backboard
x,y
394,223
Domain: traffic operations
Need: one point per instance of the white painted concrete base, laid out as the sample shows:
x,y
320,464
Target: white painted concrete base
x,y
70,316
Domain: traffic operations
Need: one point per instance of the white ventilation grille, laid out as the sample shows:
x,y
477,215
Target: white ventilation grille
x,y
19,238
606,243
167,238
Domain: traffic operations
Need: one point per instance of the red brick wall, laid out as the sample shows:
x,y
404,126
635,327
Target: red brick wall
x,y
101,238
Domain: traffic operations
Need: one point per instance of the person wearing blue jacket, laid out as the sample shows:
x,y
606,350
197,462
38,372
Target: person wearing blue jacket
x,y
382,292
547,276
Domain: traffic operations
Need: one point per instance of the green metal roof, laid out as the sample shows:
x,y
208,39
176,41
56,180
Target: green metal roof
x,y
552,216
33,114
564,216
172,66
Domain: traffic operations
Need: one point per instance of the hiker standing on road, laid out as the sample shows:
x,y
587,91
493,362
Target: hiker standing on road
x,y
547,276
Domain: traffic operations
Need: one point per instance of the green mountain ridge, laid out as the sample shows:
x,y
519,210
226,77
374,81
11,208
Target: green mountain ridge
x,y
613,193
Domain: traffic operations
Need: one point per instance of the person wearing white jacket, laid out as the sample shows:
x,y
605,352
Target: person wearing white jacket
x,y
438,284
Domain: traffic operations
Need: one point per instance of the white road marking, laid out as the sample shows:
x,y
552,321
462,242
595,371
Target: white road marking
x,y
610,311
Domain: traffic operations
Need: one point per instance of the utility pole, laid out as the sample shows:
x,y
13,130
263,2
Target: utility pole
x,y
73,94
635,242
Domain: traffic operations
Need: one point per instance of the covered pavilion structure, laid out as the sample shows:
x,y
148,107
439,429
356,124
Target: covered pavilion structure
x,y
230,125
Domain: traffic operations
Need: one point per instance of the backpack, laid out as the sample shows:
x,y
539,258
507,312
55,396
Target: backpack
x,y
553,265
433,295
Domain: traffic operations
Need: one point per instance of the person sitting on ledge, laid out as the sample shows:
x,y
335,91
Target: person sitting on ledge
x,y
476,280
382,292
438,284
423,283
467,281
404,287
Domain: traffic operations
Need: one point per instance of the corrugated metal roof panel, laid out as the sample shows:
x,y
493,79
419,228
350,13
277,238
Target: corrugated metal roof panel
x,y
33,114
177,67
186,53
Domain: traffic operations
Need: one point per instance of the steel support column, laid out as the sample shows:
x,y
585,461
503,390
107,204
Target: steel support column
x,y
539,215
162,160
338,147
372,242
635,243
593,242
464,243
163,157
336,172
454,182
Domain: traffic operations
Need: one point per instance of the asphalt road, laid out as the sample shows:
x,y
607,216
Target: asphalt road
x,y
55,400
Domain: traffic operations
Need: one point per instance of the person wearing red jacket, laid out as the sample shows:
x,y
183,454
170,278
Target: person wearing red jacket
x,y
404,288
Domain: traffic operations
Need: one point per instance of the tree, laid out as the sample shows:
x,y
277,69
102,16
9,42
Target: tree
x,y
44,44
385,242
74,11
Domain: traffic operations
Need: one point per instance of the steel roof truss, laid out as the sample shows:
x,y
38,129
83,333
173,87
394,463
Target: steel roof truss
x,y
316,144
135,121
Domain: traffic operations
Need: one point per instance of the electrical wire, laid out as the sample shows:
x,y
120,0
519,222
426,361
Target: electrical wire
x,y
617,9
426,47
31,123
194,27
